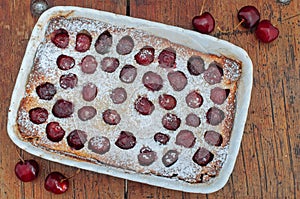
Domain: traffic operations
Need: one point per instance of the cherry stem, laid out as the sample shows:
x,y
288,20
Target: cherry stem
x,y
223,31
19,155
202,7
78,171
242,21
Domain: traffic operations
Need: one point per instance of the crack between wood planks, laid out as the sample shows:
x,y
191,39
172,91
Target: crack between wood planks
x,y
233,190
126,190
278,146
22,188
258,163
74,190
264,163
128,7
272,108
206,196
85,190
244,165
289,142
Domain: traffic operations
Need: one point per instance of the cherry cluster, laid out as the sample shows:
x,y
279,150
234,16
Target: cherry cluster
x,y
55,182
249,18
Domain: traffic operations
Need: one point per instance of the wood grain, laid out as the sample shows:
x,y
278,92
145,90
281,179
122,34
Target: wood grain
x,y
268,164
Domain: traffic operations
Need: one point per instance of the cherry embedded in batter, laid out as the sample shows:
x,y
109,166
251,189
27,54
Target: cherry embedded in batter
x,y
126,140
54,132
109,64
171,122
128,73
88,64
125,45
144,106
145,56
62,108
89,91
185,138
203,156
215,116
118,95
65,62
146,156
219,95
192,120
99,144
103,43
38,115
177,80
194,99
167,101
152,81
213,74
195,65
76,139
162,138
170,158
213,138
111,117
86,113
83,41
167,58
68,81
60,38
46,91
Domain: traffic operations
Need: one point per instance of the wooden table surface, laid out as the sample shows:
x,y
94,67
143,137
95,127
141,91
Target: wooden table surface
x,y
268,164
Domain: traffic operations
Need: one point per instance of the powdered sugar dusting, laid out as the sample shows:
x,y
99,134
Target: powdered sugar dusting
x,y
143,127
232,70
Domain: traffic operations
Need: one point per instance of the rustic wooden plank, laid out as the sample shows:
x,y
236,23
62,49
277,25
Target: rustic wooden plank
x,y
139,191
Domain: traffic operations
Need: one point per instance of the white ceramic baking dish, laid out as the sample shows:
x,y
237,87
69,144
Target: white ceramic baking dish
x,y
192,39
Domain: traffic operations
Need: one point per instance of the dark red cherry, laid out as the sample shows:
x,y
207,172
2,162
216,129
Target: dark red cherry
x,y
204,23
38,115
55,132
167,101
145,56
144,106
161,138
249,15
27,170
65,62
126,140
46,91
56,183
60,38
76,139
266,32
